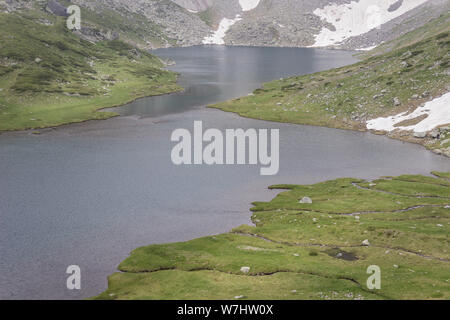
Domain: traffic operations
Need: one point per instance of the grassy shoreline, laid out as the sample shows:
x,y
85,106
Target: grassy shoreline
x,y
310,251
396,77
100,111
49,76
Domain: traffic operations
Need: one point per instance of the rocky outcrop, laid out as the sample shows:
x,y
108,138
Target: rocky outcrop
x,y
195,5
56,8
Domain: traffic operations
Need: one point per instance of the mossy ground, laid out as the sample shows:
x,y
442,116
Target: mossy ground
x,y
49,76
415,70
310,251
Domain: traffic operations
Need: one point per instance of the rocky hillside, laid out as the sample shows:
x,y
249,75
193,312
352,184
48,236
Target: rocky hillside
x,y
146,24
342,24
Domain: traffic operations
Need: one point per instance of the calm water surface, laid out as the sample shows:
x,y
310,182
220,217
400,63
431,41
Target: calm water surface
x,y
90,193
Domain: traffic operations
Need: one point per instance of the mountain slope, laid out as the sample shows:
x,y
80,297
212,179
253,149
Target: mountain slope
x,y
51,76
341,24
396,27
46,70
337,23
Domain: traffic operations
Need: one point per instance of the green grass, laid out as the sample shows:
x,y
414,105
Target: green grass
x,y
49,76
426,31
442,175
349,96
310,251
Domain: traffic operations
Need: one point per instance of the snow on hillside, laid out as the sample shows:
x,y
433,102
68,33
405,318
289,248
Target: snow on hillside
x,y
357,18
437,111
217,36
248,5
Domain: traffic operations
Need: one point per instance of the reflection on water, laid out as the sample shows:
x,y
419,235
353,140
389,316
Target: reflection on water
x,y
212,74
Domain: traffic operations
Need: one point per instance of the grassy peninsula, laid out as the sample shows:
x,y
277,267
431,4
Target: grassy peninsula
x,y
318,250
50,75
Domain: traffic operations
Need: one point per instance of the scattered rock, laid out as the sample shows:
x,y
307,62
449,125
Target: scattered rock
x,y
245,269
377,96
239,297
435,134
366,243
38,60
56,8
425,94
407,54
45,22
397,102
306,200
405,64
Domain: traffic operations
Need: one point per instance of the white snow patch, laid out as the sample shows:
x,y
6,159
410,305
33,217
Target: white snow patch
x,y
367,49
218,36
357,18
438,111
248,5
192,11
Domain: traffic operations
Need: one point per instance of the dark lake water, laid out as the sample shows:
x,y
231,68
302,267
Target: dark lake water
x,y
211,74
88,194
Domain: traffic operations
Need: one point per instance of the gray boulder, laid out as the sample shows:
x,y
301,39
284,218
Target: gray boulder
x,y
420,135
306,200
245,269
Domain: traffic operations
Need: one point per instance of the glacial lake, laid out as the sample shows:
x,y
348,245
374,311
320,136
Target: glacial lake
x,y
90,193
